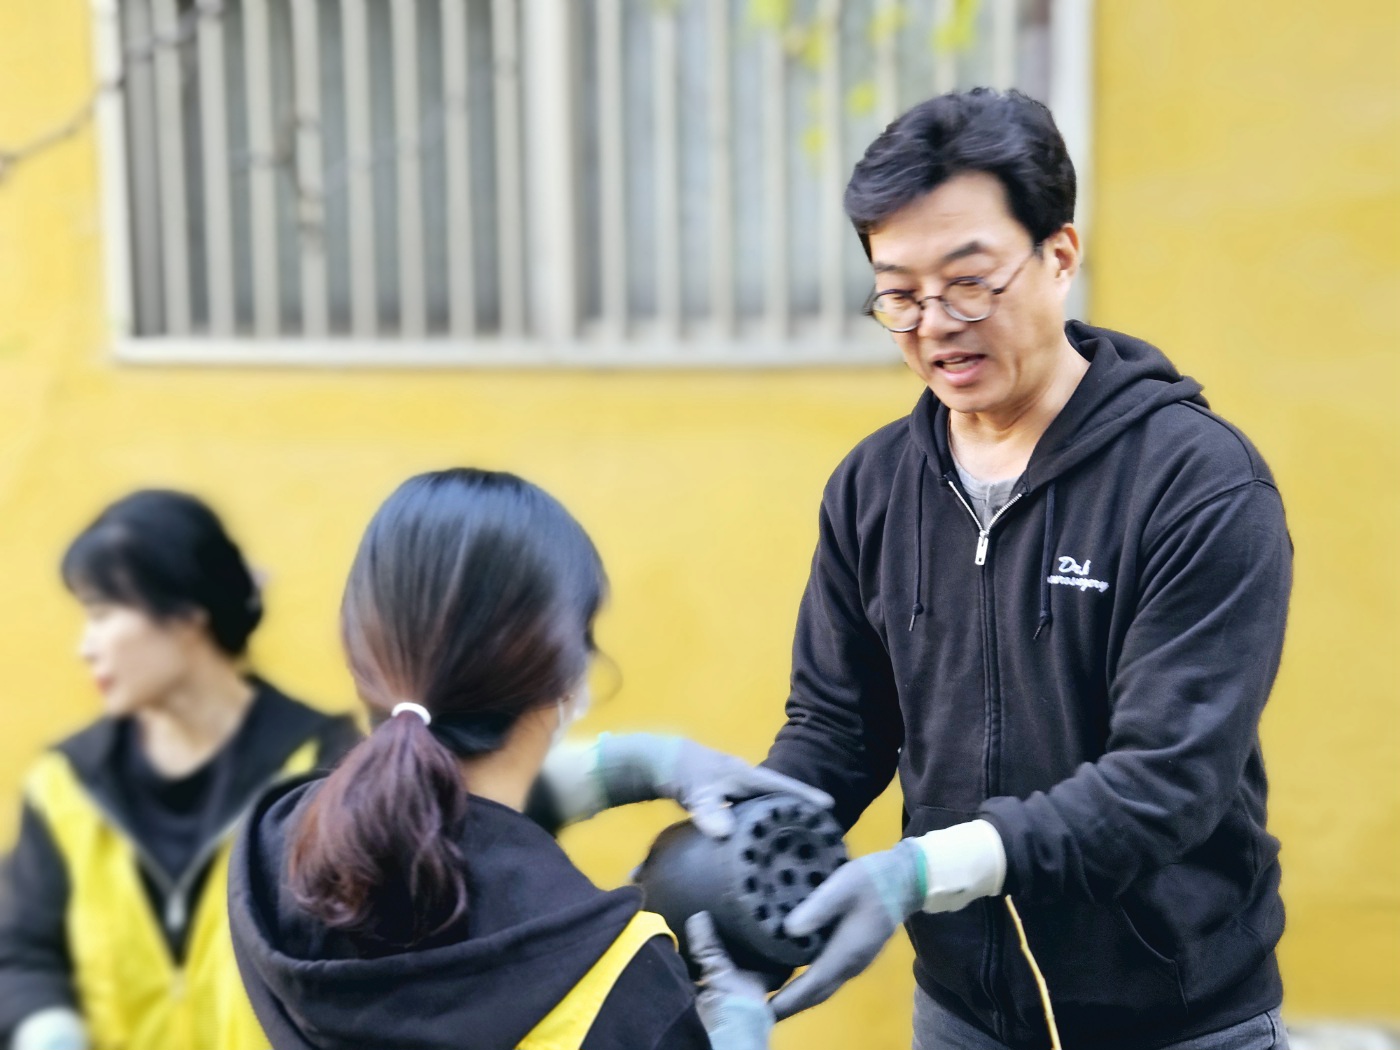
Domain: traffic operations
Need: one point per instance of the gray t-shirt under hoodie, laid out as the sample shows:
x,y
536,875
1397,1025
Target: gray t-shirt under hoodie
x,y
987,497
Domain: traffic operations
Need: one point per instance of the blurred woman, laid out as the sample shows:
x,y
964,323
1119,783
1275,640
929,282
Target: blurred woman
x,y
406,899
113,924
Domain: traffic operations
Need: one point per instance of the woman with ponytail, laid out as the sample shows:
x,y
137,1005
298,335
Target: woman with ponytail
x,y
407,899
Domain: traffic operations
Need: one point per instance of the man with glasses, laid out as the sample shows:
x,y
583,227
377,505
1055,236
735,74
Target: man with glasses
x,y
1052,600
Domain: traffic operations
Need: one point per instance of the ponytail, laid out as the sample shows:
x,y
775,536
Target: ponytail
x,y
473,595
376,853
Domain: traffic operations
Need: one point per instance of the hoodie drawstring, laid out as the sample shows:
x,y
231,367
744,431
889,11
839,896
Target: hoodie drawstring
x,y
918,606
1045,617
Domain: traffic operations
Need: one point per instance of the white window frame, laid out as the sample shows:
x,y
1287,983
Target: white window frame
x,y
808,342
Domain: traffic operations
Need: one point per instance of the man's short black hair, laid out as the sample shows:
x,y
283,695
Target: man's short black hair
x,y
1006,134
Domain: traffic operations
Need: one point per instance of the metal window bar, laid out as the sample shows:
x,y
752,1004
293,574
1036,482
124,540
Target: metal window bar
x,y
412,305
170,124
309,172
262,177
218,216
612,170
364,283
340,142
457,110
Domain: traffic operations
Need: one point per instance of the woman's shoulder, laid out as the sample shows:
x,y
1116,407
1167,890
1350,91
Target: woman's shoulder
x,y
651,1007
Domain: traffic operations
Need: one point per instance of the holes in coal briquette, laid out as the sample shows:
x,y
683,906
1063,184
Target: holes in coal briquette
x,y
815,878
787,877
806,851
751,885
759,830
748,856
761,913
782,843
802,942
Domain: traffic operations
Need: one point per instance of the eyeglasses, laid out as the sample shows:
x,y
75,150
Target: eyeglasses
x,y
966,299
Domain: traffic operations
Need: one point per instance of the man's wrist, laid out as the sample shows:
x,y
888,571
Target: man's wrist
x,y
962,863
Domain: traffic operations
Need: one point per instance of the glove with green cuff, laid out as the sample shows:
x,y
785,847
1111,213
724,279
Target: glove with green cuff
x,y
637,767
869,898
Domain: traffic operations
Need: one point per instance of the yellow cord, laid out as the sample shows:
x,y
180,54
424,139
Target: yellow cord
x,y
1039,977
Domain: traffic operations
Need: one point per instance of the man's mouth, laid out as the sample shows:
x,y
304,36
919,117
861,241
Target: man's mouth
x,y
961,363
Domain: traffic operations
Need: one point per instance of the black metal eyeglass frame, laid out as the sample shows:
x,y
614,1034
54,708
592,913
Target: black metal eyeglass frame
x,y
870,308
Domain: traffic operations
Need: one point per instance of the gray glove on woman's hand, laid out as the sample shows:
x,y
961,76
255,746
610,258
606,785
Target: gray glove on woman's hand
x,y
637,767
640,766
732,1003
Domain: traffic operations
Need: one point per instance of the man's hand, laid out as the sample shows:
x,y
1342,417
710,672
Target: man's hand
x,y
868,899
637,767
732,1003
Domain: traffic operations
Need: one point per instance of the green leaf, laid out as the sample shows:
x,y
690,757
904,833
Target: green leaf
x,y
958,31
888,20
814,47
770,14
860,99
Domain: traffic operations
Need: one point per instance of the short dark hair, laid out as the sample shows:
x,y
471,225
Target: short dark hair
x,y
1006,134
169,555
473,594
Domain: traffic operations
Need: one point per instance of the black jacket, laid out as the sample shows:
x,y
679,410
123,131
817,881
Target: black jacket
x,y
534,927
35,970
1093,689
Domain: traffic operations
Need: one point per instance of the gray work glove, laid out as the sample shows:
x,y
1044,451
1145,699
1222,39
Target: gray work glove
x,y
638,767
732,1003
869,898
57,1028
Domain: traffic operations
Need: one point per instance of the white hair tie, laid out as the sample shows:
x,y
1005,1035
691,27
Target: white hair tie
x,y
417,709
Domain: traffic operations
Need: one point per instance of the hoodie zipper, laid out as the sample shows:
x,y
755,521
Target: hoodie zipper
x,y
984,532
175,914
990,924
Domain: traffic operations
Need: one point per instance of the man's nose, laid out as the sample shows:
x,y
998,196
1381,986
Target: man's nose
x,y
936,323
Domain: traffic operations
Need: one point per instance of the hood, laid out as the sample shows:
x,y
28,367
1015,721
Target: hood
x,y
1127,381
274,727
535,926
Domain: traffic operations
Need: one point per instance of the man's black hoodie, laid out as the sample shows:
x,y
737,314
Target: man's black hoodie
x,y
1086,674
534,928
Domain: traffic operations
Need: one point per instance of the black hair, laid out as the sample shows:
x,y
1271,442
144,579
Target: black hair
x,y
1006,134
473,594
167,554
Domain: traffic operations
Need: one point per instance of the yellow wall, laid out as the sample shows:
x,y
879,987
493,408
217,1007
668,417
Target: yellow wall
x,y
1220,230
1248,220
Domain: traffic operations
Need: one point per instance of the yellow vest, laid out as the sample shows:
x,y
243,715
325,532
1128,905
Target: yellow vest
x,y
131,992
567,1024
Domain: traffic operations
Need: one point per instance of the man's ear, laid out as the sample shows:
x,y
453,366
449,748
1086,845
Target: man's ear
x,y
1064,248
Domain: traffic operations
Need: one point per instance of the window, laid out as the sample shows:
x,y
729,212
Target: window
x,y
526,181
